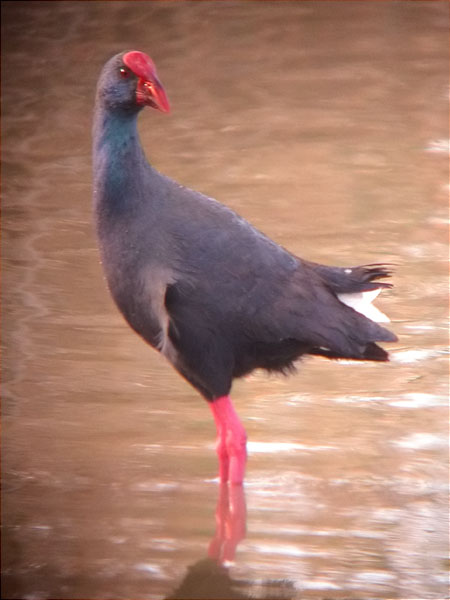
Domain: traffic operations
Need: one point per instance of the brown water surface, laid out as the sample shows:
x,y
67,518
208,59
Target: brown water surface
x,y
326,125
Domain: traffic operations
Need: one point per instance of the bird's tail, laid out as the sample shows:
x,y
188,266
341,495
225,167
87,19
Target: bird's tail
x,y
370,351
357,287
349,280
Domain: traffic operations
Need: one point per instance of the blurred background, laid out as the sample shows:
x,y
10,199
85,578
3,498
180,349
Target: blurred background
x,y
326,125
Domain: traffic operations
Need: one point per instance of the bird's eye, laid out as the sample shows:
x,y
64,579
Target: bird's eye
x,y
124,72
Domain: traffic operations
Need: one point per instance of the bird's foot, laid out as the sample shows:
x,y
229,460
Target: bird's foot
x,y
231,441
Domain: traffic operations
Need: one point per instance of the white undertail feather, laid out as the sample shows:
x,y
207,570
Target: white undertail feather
x,y
362,303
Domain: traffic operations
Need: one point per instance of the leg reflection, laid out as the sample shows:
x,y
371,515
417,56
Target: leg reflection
x,y
231,514
210,578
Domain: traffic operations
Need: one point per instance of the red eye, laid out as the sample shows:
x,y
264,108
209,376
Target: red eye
x,y
124,72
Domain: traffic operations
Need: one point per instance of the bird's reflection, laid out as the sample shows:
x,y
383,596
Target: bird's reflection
x,y
209,578
231,516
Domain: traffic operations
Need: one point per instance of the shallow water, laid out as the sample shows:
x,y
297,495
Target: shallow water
x,y
326,125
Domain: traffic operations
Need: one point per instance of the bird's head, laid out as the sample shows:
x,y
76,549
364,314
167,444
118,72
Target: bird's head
x,y
129,82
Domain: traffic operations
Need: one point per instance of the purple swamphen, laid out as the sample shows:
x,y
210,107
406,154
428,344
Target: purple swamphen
x,y
197,282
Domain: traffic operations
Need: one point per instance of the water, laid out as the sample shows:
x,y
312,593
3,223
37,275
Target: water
x,y
323,123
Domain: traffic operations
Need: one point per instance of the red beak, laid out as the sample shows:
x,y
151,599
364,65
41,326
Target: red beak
x,y
149,89
151,93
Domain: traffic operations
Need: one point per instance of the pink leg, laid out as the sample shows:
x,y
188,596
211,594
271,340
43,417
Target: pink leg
x,y
231,441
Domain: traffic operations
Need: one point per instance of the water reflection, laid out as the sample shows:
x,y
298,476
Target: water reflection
x,y
210,577
231,515
207,580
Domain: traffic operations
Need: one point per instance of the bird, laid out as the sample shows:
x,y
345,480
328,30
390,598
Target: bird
x,y
213,294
